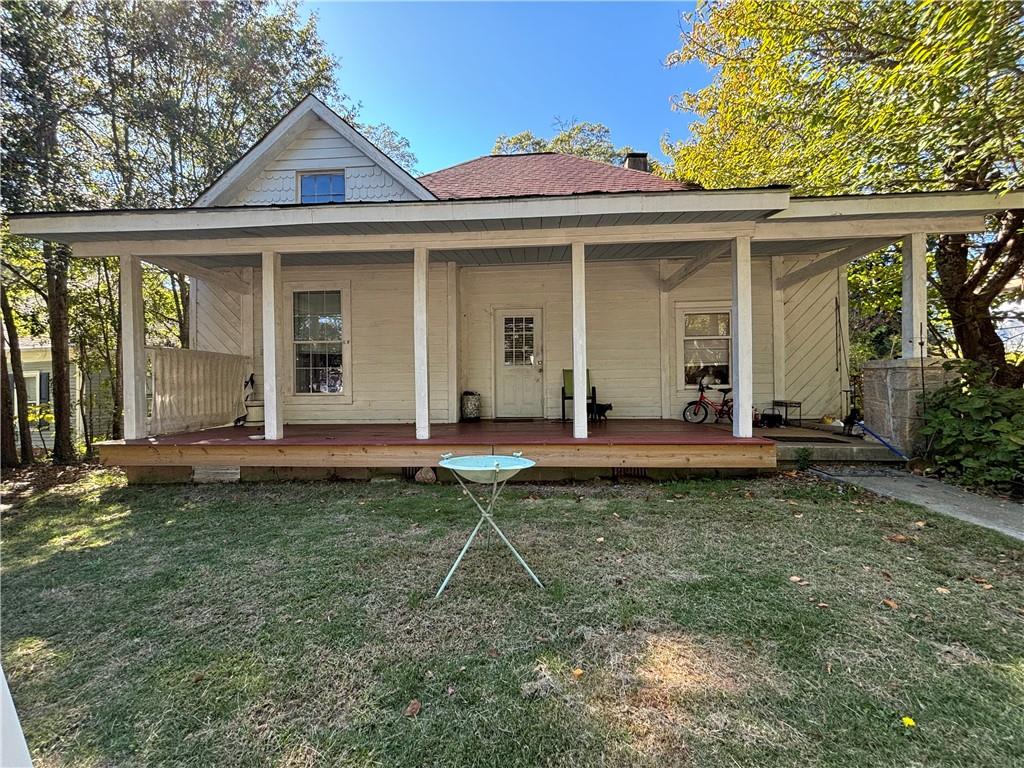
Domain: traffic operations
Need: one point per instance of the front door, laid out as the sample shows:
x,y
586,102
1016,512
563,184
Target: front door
x,y
519,380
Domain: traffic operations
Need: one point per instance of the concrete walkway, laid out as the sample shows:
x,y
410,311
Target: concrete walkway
x,y
998,514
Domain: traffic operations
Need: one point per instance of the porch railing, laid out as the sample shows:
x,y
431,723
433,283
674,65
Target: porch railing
x,y
194,390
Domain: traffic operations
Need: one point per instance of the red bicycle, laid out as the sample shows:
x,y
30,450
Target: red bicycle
x,y
697,411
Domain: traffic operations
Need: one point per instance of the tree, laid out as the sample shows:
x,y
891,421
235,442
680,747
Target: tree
x,y
11,336
591,140
132,105
836,97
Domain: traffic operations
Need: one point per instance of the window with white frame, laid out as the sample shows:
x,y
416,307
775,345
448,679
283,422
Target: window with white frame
x,y
319,334
322,188
705,345
32,387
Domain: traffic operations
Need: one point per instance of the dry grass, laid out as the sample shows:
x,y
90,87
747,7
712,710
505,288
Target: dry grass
x,y
291,624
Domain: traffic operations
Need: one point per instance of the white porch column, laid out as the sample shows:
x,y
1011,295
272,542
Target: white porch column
x,y
579,343
133,348
742,340
915,295
273,428
421,261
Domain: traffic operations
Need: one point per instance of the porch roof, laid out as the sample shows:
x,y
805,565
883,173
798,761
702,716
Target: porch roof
x,y
649,225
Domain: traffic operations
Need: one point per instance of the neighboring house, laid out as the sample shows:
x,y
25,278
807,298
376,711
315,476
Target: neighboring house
x,y
37,364
366,301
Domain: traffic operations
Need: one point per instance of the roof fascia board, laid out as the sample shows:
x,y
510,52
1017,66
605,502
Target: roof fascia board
x,y
918,203
188,221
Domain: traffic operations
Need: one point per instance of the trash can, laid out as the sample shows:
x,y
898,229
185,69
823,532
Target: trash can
x,y
470,406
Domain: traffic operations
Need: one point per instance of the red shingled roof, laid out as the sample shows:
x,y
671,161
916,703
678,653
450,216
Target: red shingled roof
x,y
541,173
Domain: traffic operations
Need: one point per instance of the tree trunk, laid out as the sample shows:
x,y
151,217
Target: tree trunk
x,y
8,446
969,291
57,257
18,374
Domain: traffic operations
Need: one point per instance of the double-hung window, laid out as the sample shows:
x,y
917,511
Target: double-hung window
x,y
322,188
705,346
319,342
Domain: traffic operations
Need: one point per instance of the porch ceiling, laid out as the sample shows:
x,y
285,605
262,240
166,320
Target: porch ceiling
x,y
555,254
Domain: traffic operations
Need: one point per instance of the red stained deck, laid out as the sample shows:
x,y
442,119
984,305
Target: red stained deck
x,y
616,443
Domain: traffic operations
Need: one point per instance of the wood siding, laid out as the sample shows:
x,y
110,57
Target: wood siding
x,y
624,322
320,147
811,375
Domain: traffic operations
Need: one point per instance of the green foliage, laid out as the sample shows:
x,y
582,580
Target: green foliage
x,y
836,97
803,458
975,432
590,140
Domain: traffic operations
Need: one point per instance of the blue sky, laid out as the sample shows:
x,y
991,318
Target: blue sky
x,y
452,76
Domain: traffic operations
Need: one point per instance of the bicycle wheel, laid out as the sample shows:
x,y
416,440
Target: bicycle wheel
x,y
695,412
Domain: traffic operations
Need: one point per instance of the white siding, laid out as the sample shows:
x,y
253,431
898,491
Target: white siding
x,y
319,147
624,336
811,375
218,319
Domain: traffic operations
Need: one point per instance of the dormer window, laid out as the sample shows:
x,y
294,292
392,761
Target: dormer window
x,y
322,188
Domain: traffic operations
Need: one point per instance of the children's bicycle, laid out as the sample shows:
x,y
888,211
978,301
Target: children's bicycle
x,y
697,411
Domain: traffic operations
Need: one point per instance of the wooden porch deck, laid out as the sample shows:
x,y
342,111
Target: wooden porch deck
x,y
634,443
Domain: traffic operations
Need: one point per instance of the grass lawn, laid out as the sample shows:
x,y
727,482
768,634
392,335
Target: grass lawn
x,y
774,622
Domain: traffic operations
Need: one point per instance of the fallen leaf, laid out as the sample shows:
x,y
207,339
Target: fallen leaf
x,y
795,579
920,523
987,586
577,673
198,677
897,538
822,605
798,515
979,580
942,590
413,708
600,539
451,689
890,603
886,575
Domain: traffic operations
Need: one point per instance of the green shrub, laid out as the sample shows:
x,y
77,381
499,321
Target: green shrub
x,y
974,432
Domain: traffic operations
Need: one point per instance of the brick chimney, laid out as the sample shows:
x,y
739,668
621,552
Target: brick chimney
x,y
637,161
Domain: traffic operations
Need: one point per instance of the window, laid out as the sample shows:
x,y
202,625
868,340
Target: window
x,y
317,320
706,341
32,385
518,338
322,188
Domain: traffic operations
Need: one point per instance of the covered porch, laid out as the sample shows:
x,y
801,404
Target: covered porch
x,y
422,287
621,444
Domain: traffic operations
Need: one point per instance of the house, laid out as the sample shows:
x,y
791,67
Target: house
x,y
90,395
365,301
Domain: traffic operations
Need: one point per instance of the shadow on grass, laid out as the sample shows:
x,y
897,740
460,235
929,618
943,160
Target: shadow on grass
x,y
292,624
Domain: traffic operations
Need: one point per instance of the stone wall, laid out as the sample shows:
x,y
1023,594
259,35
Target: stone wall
x,y
892,397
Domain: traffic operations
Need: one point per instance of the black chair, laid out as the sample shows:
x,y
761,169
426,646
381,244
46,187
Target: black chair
x,y
567,389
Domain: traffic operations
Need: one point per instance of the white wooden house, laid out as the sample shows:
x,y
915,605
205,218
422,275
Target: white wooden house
x,y
365,301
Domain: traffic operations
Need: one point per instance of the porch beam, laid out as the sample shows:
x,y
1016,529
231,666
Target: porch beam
x,y
273,416
695,265
915,295
421,262
789,229
579,342
742,340
223,280
133,347
832,261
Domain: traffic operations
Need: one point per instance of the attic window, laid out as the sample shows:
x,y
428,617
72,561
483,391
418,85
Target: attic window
x,y
322,188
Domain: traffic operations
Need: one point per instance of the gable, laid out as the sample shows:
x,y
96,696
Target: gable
x,y
319,148
309,139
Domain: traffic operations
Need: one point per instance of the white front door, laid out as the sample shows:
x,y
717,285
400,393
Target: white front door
x,y
519,380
